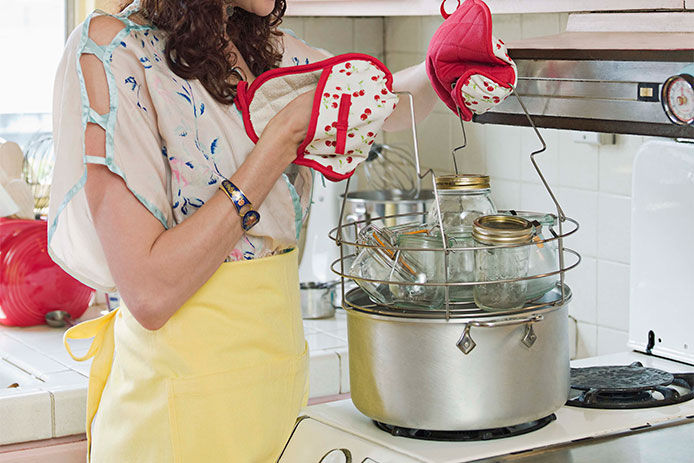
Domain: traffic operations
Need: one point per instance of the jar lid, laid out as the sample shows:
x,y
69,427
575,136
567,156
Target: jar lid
x,y
502,229
463,182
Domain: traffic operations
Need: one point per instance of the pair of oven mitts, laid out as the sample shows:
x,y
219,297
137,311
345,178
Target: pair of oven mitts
x,y
353,97
468,67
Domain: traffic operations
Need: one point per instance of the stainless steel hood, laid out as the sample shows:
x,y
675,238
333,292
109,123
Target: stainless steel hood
x,y
605,74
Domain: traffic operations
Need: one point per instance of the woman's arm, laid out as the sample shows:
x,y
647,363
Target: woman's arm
x,y
414,80
157,270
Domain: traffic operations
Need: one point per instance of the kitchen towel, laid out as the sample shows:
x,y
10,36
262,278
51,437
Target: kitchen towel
x,y
468,67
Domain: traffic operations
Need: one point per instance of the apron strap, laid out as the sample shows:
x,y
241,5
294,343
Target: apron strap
x,y
95,328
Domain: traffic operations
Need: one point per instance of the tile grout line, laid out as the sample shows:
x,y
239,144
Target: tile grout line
x,y
50,393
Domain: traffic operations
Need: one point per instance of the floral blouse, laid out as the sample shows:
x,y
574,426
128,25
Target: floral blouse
x,y
169,140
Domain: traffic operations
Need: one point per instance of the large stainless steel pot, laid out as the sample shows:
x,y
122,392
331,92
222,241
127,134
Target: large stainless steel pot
x,y
415,372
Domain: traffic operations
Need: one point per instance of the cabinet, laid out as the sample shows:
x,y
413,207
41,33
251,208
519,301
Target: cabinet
x,y
431,7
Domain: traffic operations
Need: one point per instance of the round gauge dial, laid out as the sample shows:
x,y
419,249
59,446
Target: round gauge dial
x,y
677,96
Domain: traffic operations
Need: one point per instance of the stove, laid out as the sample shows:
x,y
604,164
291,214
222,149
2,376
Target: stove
x,y
627,387
339,425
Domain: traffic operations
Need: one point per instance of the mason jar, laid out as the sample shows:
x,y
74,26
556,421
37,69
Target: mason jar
x,y
462,198
544,257
461,264
424,252
503,263
389,265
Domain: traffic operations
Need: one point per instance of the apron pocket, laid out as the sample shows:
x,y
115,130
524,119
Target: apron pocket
x,y
241,415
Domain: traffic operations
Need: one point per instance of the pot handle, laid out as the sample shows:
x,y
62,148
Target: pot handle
x,y
466,343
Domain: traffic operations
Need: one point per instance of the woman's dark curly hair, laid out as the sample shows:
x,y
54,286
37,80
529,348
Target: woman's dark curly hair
x,y
197,40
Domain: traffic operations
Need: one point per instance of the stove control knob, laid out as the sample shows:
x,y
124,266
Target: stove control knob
x,y
337,456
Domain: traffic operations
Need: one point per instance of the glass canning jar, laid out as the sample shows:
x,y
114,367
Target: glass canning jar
x,y
544,257
387,264
461,264
501,263
462,198
420,249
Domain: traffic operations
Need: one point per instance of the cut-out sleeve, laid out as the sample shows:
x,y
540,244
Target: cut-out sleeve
x,y
132,149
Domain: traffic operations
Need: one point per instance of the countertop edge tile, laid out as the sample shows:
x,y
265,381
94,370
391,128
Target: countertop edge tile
x,y
26,417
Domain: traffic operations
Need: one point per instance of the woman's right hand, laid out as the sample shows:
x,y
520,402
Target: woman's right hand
x,y
289,126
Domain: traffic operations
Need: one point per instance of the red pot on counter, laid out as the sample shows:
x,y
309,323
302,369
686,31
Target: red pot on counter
x,y
31,284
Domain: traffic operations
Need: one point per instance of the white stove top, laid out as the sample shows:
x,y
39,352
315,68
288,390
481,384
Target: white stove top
x,y
341,425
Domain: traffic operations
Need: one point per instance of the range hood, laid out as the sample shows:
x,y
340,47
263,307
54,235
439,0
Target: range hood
x,y
604,74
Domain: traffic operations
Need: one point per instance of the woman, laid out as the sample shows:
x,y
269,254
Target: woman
x,y
206,359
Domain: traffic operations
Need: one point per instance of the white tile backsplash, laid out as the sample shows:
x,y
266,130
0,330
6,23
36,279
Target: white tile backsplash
x,y
368,35
611,341
294,24
333,34
614,217
536,25
583,284
472,158
616,162
582,205
507,27
403,33
534,197
578,163
429,133
613,295
503,147
505,193
429,26
587,340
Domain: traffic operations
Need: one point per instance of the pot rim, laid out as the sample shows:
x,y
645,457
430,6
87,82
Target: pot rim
x,y
439,316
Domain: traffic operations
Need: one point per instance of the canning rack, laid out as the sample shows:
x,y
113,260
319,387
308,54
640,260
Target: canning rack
x,y
453,309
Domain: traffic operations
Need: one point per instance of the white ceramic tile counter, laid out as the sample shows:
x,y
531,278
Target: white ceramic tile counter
x,y
50,399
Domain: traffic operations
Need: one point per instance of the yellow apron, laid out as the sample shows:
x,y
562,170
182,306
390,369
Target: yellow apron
x,y
222,381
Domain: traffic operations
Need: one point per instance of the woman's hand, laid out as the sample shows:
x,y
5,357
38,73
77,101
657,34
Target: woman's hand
x,y
287,129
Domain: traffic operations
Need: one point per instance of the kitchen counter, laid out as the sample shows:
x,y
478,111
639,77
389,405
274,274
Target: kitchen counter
x,y
50,393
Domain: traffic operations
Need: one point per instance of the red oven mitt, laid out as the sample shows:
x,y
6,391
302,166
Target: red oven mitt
x,y
468,67
353,97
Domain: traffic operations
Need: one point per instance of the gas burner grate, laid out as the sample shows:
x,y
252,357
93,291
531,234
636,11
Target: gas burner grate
x,y
624,387
467,436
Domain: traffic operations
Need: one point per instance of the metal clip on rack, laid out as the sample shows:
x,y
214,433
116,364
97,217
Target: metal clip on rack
x,y
477,317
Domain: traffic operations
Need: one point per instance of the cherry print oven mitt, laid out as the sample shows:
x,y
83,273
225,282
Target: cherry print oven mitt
x,y
353,97
468,67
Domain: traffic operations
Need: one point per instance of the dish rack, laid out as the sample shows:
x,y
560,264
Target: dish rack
x,y
350,247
